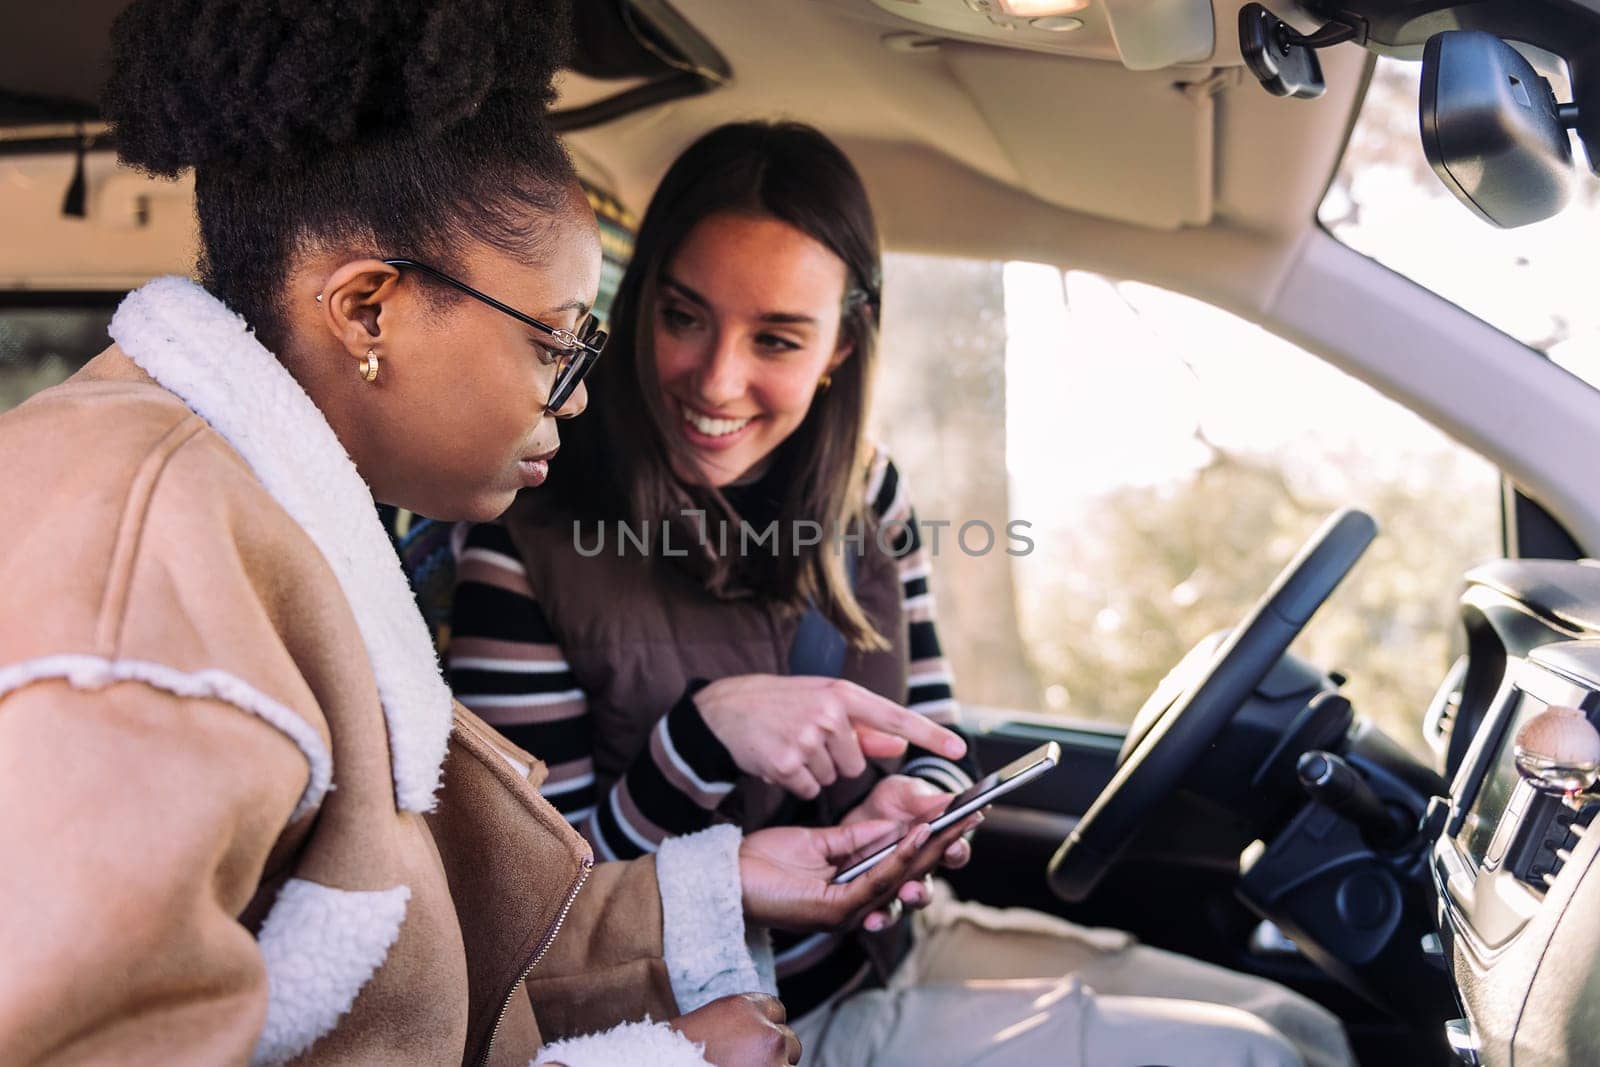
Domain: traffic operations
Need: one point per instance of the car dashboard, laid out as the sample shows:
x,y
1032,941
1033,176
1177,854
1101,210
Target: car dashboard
x,y
1515,870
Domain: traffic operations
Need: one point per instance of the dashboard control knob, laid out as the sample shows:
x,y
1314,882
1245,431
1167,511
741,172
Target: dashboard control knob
x,y
1366,900
1558,752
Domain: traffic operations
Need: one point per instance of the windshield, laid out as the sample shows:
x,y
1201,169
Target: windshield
x,y
1533,282
1113,439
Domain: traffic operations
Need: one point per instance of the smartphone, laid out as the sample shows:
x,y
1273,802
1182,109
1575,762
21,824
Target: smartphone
x,y
983,792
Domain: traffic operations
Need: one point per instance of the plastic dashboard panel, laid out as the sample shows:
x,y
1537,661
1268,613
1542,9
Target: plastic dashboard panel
x,y
1525,951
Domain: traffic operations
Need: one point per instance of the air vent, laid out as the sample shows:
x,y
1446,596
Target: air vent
x,y
1438,722
1564,829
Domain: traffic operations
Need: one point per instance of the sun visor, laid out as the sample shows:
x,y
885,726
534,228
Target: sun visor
x,y
1094,137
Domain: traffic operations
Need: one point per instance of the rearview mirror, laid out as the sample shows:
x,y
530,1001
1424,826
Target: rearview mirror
x,y
1492,130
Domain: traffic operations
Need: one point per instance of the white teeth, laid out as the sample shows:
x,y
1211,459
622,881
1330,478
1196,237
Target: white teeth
x,y
713,427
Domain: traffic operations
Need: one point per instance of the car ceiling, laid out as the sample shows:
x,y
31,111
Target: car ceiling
x,y
1083,142
53,57
968,147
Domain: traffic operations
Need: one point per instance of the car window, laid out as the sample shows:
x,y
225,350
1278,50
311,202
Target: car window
x,y
45,339
1533,282
1166,458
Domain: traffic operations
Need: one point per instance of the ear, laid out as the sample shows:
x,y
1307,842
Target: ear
x,y
845,349
353,301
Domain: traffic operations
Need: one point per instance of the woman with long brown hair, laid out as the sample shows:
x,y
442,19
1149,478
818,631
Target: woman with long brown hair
x,y
718,611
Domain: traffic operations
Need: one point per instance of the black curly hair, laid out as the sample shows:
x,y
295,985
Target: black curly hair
x,y
380,127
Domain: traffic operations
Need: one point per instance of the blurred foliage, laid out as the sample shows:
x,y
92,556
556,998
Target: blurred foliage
x,y
1386,135
1123,582
1115,600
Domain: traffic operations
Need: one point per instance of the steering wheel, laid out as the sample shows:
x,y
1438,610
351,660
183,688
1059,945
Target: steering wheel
x,y
1151,767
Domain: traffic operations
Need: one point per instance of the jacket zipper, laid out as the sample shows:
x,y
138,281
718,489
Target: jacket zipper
x,y
539,953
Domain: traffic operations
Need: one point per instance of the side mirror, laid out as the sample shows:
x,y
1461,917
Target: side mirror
x,y
1492,130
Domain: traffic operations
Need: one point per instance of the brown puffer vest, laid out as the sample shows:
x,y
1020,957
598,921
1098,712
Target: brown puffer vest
x,y
637,628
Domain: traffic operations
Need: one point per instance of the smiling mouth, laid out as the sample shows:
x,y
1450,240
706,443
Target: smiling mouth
x,y
713,427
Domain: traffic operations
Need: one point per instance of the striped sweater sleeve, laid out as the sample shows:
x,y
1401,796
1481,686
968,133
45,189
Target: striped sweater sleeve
x,y
930,683
507,666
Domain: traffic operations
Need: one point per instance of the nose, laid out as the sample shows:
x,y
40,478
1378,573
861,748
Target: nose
x,y
721,377
575,403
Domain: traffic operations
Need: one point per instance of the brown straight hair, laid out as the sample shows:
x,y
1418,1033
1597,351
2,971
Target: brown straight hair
x,y
616,463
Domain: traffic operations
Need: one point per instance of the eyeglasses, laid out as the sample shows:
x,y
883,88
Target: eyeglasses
x,y
575,350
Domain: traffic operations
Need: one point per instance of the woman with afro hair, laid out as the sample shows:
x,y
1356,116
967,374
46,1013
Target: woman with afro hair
x,y
241,819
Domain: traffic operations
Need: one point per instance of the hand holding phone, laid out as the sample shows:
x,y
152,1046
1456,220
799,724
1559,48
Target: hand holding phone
x,y
982,793
786,872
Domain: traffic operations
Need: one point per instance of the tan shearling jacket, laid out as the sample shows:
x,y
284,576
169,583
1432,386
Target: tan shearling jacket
x,y
241,820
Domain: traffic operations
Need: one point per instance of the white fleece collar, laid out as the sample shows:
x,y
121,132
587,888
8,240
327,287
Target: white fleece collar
x,y
185,339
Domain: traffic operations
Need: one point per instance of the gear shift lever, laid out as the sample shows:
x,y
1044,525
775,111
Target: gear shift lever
x,y
1330,781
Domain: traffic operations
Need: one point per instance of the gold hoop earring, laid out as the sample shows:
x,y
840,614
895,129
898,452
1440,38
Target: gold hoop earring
x,y
825,381
369,365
